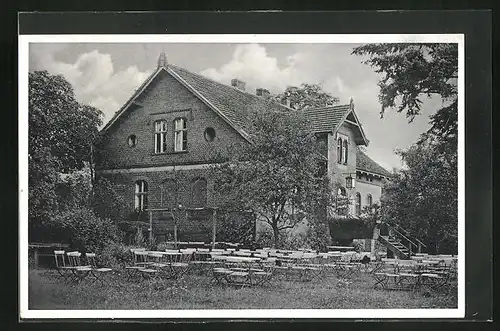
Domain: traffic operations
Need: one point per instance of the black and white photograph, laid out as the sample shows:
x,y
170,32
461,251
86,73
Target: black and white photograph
x,y
242,176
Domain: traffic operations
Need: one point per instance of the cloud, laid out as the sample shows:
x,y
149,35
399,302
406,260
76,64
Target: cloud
x,y
93,77
252,64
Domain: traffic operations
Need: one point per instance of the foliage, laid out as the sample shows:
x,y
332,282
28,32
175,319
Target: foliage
x,y
139,239
61,132
274,177
85,231
318,236
411,71
115,255
235,228
106,202
423,197
42,182
59,122
75,190
370,215
306,96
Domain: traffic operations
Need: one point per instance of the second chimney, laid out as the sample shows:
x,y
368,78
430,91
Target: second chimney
x,y
262,92
238,84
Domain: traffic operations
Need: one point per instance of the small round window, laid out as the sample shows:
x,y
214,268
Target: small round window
x,y
132,141
209,134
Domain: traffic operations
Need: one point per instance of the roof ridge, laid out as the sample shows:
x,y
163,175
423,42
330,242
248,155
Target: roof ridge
x,y
228,86
327,107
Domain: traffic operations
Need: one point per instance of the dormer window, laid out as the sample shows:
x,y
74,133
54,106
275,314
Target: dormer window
x,y
160,136
180,136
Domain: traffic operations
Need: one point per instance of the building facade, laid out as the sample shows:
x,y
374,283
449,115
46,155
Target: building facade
x,y
157,148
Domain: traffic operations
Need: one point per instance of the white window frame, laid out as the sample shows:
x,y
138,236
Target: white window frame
x,y
160,136
345,150
141,194
180,134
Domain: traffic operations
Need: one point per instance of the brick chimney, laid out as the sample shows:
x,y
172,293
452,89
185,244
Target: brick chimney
x,y
238,84
262,92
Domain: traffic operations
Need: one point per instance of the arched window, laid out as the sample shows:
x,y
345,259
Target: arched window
x,y
342,201
141,195
160,136
358,203
345,149
168,194
339,150
199,193
369,200
180,136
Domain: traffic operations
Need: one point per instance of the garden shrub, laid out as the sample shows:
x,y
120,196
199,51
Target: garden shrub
x,y
84,230
116,255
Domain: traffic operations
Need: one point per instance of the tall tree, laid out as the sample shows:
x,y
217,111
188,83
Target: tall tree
x,y
61,133
276,176
411,71
422,197
306,96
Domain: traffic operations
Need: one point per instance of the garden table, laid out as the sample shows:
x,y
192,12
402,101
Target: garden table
x,y
340,248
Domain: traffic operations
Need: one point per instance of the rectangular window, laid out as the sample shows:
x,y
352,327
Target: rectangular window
x,y
141,195
180,137
160,136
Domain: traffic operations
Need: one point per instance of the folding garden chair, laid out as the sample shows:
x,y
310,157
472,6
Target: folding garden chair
x,y
79,271
155,266
62,269
97,271
140,262
181,266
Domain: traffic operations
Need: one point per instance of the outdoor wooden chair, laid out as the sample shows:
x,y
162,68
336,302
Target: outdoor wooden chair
x,y
64,270
140,261
78,270
97,271
153,267
181,266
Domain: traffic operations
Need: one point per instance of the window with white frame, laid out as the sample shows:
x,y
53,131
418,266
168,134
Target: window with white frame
x,y
160,136
339,150
141,195
342,149
345,150
180,137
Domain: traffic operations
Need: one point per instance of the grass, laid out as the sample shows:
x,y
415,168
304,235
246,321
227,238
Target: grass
x,y
46,291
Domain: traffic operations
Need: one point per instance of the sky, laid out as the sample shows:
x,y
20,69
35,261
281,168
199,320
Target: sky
x,y
105,76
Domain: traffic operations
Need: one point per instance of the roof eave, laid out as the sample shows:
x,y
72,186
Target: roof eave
x,y
198,94
132,99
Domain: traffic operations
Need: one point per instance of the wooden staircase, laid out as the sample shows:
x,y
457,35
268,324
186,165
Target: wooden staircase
x,y
401,243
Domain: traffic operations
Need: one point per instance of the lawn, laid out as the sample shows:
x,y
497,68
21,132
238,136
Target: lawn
x,y
46,291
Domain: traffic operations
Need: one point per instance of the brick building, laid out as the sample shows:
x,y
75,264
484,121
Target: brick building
x,y
178,122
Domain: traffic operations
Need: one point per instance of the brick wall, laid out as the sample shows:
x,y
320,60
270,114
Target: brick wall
x,y
165,99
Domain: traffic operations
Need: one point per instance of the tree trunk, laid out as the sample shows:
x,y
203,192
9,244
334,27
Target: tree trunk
x,y
275,235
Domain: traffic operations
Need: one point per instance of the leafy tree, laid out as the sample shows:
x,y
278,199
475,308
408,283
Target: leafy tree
x,y
305,96
411,71
274,177
422,198
61,132
58,121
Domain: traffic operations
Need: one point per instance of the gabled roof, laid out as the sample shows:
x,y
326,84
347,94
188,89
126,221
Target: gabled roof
x,y
329,119
365,163
232,104
326,119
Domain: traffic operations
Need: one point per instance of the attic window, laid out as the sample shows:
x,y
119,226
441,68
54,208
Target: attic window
x,y
209,134
132,140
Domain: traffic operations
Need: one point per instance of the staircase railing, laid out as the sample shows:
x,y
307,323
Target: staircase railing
x,y
419,245
403,236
